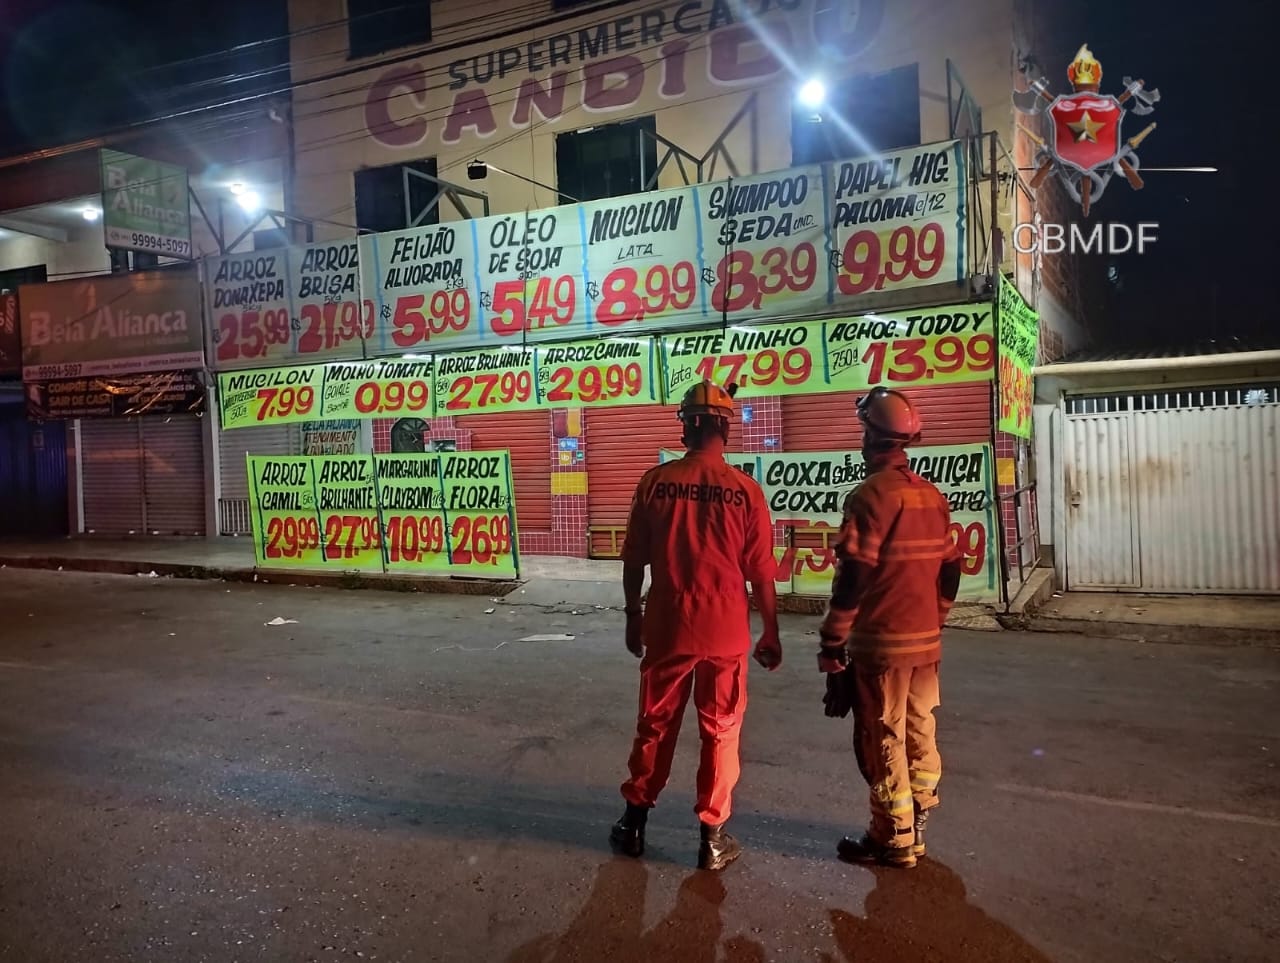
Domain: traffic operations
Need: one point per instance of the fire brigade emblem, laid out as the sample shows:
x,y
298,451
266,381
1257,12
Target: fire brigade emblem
x,y
1084,146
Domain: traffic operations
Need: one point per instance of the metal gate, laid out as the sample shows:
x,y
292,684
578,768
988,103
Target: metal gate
x,y
1174,491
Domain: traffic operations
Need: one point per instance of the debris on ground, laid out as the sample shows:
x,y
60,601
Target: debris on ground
x,y
279,621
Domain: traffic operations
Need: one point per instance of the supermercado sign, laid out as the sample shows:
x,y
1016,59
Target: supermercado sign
x,y
806,491
766,247
647,54
418,514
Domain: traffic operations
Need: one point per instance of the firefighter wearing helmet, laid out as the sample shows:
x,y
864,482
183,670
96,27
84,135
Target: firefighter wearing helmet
x,y
897,575
703,530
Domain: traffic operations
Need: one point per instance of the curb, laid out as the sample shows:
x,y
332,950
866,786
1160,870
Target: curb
x,y
353,580
1144,632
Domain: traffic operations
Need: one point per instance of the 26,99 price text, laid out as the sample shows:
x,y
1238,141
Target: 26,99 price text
x,y
480,539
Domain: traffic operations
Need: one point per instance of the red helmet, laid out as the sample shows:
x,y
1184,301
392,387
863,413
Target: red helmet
x,y
890,415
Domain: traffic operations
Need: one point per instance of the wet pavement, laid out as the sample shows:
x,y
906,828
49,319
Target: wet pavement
x,y
401,777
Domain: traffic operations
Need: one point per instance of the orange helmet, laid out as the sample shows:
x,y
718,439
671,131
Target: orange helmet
x,y
707,398
890,415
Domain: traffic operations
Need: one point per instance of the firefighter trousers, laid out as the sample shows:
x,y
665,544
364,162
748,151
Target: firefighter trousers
x,y
719,687
894,737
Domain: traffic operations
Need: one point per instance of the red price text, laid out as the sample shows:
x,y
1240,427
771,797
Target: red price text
x,y
866,264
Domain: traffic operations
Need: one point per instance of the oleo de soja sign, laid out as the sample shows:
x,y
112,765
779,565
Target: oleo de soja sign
x,y
113,324
648,53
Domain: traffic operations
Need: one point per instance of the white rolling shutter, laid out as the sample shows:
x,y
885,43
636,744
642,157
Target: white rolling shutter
x,y
234,446
173,476
111,480
143,476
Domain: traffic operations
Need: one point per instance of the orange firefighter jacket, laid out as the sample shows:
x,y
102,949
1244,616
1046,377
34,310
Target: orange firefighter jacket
x,y
703,528
898,569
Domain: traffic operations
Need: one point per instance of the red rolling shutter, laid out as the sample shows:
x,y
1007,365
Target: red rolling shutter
x,y
528,435
952,415
621,445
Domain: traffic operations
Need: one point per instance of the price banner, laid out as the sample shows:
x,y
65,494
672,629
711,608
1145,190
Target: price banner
x,y
897,221
948,345
807,491
415,527
330,320
366,389
477,382
377,389
287,304
765,243
286,528
530,276
422,283
425,514
347,502
480,512
778,359
644,262
1019,339
620,371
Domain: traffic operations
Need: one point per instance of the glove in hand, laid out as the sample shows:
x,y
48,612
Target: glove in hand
x,y
839,699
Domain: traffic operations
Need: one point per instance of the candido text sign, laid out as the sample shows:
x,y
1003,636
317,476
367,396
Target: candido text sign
x,y
427,514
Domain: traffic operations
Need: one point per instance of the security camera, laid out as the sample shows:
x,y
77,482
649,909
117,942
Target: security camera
x,y
477,170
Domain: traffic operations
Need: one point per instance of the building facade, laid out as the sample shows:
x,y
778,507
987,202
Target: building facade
x,y
531,132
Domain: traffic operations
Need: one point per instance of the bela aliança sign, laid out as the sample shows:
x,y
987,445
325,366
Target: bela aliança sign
x,y
145,205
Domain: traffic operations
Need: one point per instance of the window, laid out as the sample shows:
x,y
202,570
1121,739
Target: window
x,y
861,115
376,26
607,161
381,201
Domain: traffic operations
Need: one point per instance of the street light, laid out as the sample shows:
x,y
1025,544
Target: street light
x,y
90,214
478,170
813,94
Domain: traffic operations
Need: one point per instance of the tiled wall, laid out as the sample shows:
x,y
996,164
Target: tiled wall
x,y
568,496
1007,452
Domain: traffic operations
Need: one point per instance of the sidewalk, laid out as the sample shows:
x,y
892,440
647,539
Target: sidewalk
x,y
1204,619
545,580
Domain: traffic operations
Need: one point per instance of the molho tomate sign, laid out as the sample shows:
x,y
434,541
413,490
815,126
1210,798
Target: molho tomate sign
x,y
646,54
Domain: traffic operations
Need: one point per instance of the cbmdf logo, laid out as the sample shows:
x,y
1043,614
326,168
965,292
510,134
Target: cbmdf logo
x,y
1085,145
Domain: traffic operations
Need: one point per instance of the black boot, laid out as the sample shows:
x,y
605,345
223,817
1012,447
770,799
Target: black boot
x,y
718,848
627,834
864,849
922,818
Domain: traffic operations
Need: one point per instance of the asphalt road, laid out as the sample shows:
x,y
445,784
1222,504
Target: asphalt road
x,y
398,777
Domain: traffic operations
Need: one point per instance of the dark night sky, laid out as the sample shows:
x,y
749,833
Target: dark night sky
x,y
71,68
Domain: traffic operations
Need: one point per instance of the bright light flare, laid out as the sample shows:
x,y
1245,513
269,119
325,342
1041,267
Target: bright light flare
x,y
813,94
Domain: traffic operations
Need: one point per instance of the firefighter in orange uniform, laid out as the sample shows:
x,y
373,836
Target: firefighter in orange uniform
x,y
897,575
703,529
